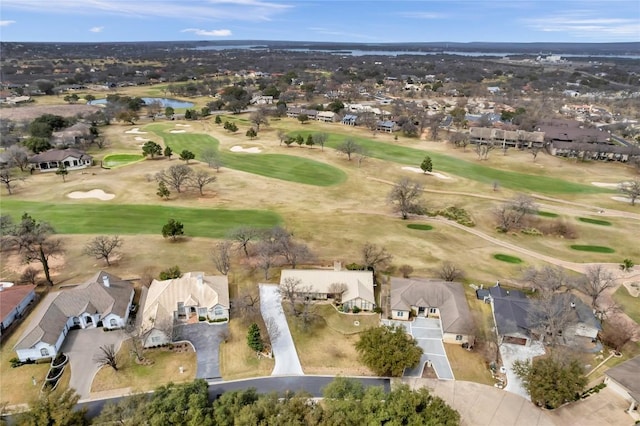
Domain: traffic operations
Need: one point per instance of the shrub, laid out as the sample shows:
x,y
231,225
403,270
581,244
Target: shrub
x,y
532,231
201,318
356,310
15,362
354,267
170,273
405,270
458,214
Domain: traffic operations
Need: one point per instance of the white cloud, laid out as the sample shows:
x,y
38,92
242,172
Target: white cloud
x,y
208,33
6,23
96,29
239,10
586,24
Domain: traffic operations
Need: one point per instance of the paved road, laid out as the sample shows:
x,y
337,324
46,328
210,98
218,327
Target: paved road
x,y
287,361
206,339
82,346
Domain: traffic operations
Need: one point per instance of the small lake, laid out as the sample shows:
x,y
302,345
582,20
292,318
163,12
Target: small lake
x,y
165,102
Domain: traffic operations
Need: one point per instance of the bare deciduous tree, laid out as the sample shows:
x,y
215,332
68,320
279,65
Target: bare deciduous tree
x,y
616,334
221,256
107,356
483,150
295,252
135,336
243,236
550,314
175,176
405,197
290,288
267,256
595,281
511,215
200,179
258,117
273,331
246,305
547,278
375,258
450,272
348,148
405,270
103,247
631,190
337,290
8,179
212,158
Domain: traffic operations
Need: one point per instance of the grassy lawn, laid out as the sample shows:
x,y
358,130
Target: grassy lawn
x,y
345,323
95,218
630,305
594,221
445,163
237,360
165,368
507,258
117,160
467,365
593,249
277,166
420,226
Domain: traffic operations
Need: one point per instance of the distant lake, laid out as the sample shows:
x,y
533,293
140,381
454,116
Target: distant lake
x,y
165,102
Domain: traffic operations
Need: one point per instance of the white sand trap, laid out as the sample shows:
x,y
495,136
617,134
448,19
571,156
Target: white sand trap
x,y
605,185
138,138
135,131
419,170
252,150
183,125
94,193
177,131
623,199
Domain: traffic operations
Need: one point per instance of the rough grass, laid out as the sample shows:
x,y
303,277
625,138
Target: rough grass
x,y
420,226
118,160
592,249
630,305
468,365
165,368
507,258
278,166
237,360
594,221
345,323
96,218
445,163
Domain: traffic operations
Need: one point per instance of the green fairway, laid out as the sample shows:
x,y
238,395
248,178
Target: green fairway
x,y
630,305
420,226
546,214
445,163
98,218
117,160
507,258
593,249
278,166
594,221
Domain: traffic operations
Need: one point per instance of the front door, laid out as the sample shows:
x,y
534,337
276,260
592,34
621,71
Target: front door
x,y
421,311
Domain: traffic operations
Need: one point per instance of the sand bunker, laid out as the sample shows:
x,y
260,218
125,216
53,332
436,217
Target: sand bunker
x,y
94,193
252,150
419,170
135,131
138,138
177,131
623,199
183,125
633,287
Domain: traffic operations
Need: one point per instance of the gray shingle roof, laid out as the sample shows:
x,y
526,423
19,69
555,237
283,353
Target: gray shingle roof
x,y
627,375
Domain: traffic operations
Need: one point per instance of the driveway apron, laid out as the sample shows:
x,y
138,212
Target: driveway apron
x,y
206,339
284,350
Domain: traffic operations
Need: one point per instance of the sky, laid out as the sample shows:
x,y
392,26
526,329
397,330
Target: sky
x,y
359,21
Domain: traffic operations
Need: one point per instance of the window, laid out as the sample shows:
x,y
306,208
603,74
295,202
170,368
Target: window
x,y
400,314
44,352
433,310
155,339
458,337
218,311
113,322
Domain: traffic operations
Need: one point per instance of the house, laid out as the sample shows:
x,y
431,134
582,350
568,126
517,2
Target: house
x,y
102,301
582,322
434,298
350,119
326,116
506,138
261,100
385,126
318,285
623,380
71,158
74,135
190,298
14,301
294,112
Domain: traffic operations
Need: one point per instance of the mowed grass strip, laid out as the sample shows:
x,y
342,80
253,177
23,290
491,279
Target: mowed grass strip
x,y
594,221
94,218
507,258
445,163
117,160
546,214
277,166
420,226
593,249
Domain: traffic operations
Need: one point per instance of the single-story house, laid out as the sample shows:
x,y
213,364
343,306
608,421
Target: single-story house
x,y
192,297
623,380
583,322
78,133
261,100
320,285
51,160
436,299
102,301
14,301
350,119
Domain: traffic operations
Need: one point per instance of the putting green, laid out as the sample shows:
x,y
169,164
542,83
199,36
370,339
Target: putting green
x,y
117,160
507,258
420,226
593,249
594,221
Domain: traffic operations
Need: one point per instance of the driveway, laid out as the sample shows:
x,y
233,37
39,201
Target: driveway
x,y
511,353
284,351
82,346
428,333
206,339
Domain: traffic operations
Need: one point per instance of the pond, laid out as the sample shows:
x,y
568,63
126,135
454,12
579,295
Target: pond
x,y
165,102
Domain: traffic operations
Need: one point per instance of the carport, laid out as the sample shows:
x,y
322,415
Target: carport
x,y
206,339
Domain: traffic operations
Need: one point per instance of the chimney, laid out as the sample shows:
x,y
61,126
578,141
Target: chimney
x,y
200,279
105,281
337,265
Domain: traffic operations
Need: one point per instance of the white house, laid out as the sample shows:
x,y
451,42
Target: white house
x,y
190,298
358,285
50,160
326,116
14,301
103,301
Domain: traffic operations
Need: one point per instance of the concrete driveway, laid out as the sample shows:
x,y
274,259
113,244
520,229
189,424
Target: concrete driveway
x,y
206,339
511,353
428,333
82,346
284,350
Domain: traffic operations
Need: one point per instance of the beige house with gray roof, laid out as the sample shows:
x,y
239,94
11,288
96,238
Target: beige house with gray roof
x,y
191,298
103,301
434,299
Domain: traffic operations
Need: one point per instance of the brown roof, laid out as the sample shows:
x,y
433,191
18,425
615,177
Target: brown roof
x,y
92,296
571,130
59,155
10,298
448,297
626,374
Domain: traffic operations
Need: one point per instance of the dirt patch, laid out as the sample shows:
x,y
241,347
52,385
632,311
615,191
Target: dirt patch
x,y
33,111
135,131
419,170
252,150
94,193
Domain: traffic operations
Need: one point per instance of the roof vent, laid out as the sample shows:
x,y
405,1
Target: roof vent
x,y
573,305
105,281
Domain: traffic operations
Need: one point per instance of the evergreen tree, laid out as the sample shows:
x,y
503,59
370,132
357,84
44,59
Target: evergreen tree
x,y
254,339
